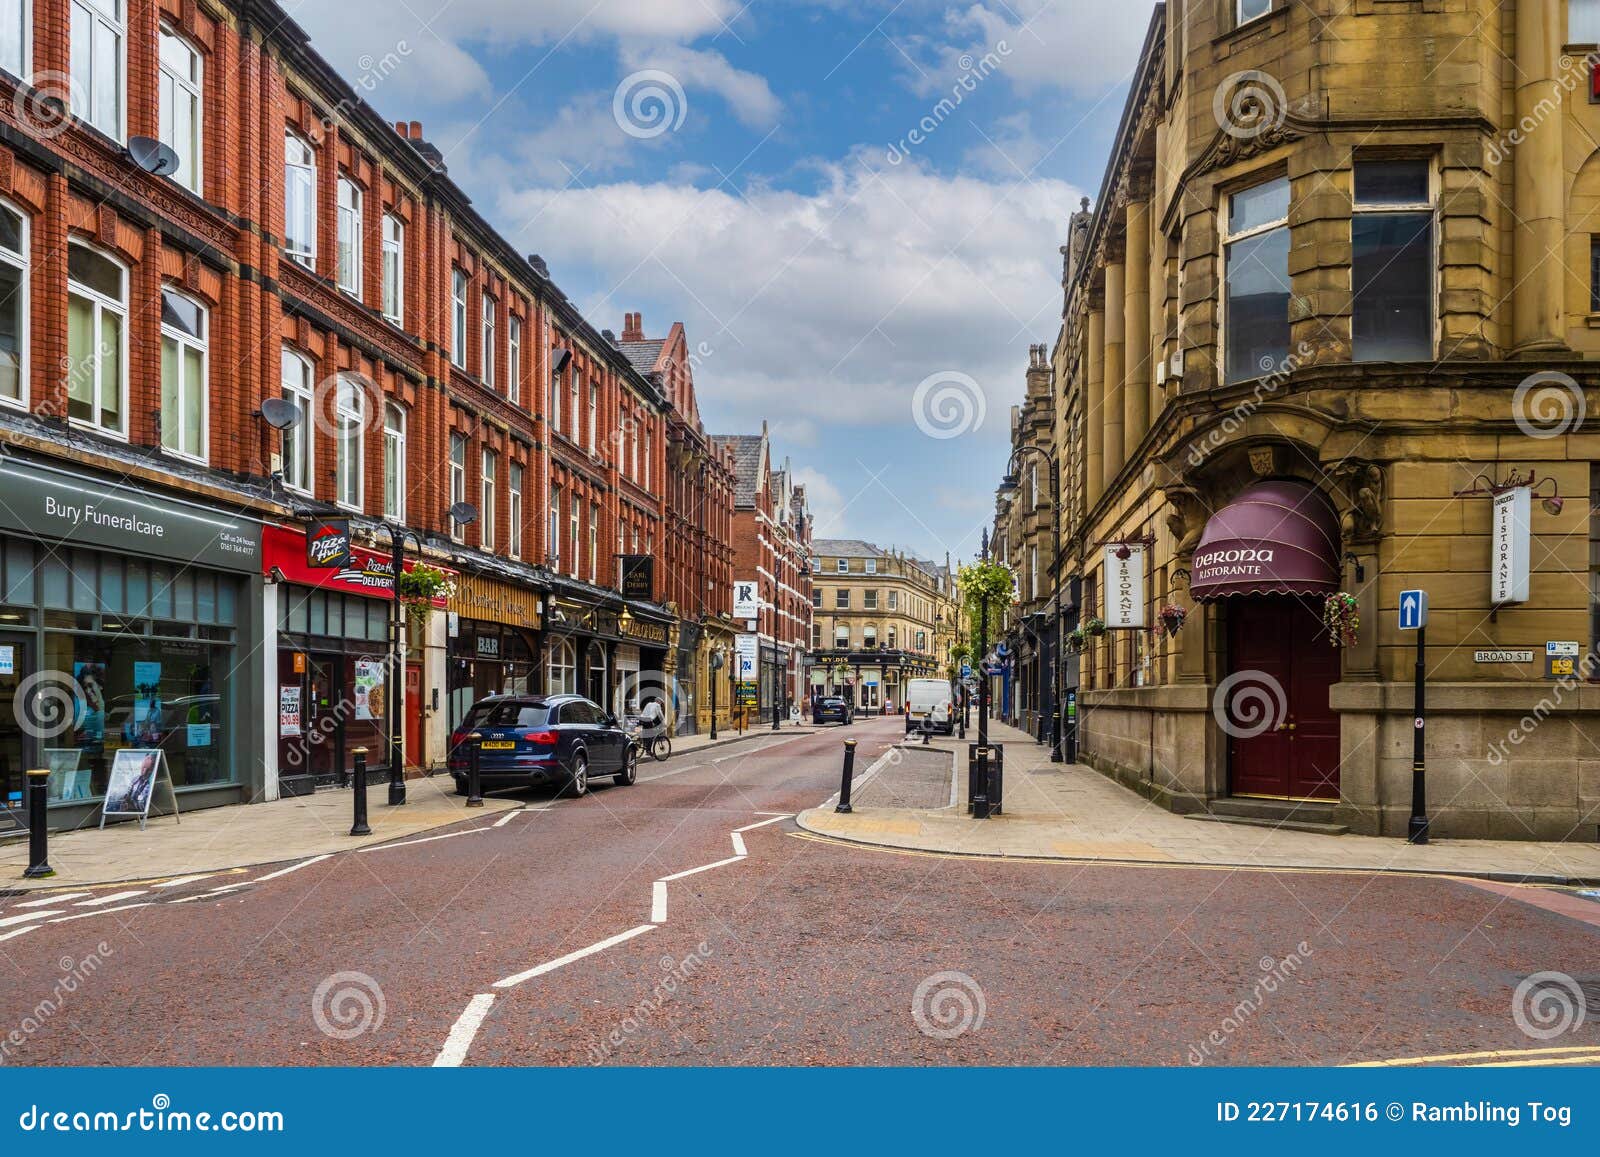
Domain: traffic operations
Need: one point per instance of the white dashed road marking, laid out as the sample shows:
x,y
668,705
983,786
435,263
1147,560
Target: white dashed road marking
x,y
44,902
462,1032
109,899
572,957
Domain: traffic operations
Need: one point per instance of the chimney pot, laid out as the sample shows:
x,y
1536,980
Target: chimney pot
x,y
416,130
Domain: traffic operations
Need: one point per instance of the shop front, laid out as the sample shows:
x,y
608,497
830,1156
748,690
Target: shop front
x,y
618,660
125,623
492,643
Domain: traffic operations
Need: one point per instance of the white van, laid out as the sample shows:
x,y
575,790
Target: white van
x,y
930,699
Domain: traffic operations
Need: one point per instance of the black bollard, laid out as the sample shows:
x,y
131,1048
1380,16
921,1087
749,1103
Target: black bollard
x,y
474,775
358,787
849,773
38,825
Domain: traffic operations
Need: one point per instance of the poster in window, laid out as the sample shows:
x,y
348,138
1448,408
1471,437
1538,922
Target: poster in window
x,y
69,779
369,689
142,728
289,712
91,709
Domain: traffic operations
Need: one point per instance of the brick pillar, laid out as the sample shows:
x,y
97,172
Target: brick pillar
x,y
49,282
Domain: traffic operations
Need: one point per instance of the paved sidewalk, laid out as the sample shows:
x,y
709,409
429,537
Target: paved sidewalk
x,y
1071,812
263,833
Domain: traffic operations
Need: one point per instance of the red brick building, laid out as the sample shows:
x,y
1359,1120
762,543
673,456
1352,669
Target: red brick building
x,y
304,249
772,546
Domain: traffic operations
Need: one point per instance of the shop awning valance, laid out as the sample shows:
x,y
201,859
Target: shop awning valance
x,y
1278,537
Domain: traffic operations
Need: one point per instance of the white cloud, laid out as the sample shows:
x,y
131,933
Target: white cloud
x,y
748,96
826,502
1083,46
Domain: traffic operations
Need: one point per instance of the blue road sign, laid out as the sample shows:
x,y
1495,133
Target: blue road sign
x,y
1413,610
966,670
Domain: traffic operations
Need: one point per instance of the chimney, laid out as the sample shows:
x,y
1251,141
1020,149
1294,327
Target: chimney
x,y
416,130
537,264
632,327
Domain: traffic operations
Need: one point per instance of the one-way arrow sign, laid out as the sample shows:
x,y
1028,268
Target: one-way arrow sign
x,y
1413,610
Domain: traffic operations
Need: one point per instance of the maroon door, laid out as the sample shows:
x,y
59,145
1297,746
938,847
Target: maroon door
x,y
1283,737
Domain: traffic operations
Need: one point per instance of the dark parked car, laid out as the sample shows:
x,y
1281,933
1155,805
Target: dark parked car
x,y
540,740
832,709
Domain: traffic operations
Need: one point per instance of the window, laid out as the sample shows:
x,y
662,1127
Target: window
x,y
486,501
299,200
557,388
922,640
870,565
13,306
649,448
572,405
394,462
594,415
514,360
1248,10
572,534
869,638
816,598
97,340
179,85
394,268
555,528
1033,572
843,566
633,455
894,600
1594,274
514,515
561,677
348,271
1583,22
183,375
869,600
16,37
841,638
1391,261
1256,272
97,65
841,599
458,319
458,479
594,542
296,441
892,637
349,410
488,340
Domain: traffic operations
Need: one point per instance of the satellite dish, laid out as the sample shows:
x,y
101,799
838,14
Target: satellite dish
x,y
280,413
152,156
463,513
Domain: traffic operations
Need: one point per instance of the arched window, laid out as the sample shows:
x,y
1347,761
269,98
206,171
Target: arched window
x,y
347,269
299,200
13,306
297,440
184,396
562,668
349,416
97,340
181,80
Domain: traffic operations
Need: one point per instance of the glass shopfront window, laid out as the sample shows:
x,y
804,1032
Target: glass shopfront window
x,y
333,670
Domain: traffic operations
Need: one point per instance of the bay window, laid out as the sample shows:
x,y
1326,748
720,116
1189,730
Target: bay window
x,y
299,200
349,408
1256,275
13,306
183,375
97,340
98,37
394,462
394,268
296,441
179,84
347,273
1392,261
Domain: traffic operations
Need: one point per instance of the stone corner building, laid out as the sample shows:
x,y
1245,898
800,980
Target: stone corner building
x,y
1333,244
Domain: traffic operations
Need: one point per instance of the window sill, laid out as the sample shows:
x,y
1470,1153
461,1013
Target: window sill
x,y
96,428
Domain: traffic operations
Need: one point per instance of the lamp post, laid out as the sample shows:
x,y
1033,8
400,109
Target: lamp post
x,y
716,665
1009,485
772,604
462,514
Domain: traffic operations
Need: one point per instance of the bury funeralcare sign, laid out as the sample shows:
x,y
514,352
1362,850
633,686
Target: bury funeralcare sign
x,y
79,510
1124,585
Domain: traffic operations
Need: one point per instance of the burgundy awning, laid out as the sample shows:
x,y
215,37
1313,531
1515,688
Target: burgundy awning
x,y
1274,538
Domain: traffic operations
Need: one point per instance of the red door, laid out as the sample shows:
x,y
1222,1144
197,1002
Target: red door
x,y
1283,736
413,714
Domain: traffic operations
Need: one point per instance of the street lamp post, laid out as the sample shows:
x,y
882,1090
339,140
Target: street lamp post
x,y
716,665
1009,485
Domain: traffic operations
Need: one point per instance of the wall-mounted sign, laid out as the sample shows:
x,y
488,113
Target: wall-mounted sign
x,y
476,597
1124,585
639,577
1514,655
289,711
328,544
746,599
745,652
1508,560
1560,659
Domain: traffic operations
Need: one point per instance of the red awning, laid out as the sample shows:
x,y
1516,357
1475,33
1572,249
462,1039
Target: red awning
x,y
1274,538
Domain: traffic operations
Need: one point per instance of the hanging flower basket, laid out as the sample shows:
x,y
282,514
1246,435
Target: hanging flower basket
x,y
1342,615
1172,617
419,587
1094,628
1076,641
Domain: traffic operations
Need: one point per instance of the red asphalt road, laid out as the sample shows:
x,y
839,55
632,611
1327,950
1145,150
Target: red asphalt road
x,y
805,952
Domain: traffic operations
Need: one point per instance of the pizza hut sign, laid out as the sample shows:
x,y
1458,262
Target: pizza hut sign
x,y
328,544
1125,569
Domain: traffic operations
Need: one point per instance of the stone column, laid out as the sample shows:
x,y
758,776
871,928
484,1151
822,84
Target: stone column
x,y
1114,368
1136,325
1538,267
1095,398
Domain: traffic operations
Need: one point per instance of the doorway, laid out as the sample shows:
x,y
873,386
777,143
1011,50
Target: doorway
x,y
413,715
1280,661
16,745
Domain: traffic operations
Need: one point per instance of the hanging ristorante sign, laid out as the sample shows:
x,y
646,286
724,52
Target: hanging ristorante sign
x,y
1124,586
1508,562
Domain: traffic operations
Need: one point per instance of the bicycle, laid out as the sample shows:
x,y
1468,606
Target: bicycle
x,y
658,747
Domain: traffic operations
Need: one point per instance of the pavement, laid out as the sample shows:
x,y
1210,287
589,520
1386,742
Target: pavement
x,y
246,835
1071,812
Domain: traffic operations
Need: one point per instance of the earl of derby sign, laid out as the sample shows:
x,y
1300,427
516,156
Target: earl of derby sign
x,y
1125,585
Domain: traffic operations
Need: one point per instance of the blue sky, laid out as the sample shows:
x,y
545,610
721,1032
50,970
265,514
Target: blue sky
x,y
858,264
